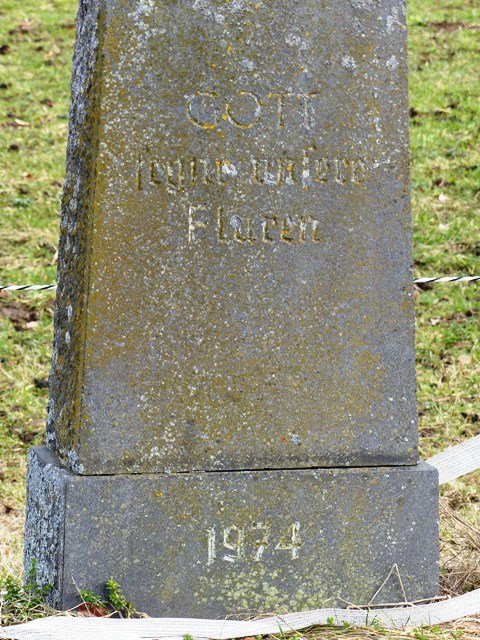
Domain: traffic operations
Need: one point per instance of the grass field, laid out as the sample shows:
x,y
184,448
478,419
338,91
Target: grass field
x,y
36,39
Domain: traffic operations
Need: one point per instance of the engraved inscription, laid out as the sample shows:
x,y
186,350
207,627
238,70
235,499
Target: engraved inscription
x,y
302,169
291,542
264,228
250,114
245,109
202,110
234,540
262,543
236,544
298,169
274,171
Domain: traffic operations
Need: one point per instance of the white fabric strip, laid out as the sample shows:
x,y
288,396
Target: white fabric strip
x,y
451,464
457,461
60,628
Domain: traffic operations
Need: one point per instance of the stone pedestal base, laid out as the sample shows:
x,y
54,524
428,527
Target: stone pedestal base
x,y
212,544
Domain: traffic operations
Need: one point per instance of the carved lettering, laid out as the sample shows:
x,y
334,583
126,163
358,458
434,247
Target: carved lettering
x,y
194,223
265,171
307,100
322,168
267,223
202,109
261,544
245,109
170,173
303,169
288,224
239,235
316,168
281,99
291,542
238,544
221,225
359,171
304,222
274,171
234,540
201,172
212,545
269,228
175,174
253,111
341,170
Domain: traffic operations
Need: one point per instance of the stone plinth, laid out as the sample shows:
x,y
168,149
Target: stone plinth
x,y
212,544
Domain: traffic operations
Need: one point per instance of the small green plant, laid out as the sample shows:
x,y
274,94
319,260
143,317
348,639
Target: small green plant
x,y
21,603
118,601
419,634
187,636
115,603
281,632
377,624
92,600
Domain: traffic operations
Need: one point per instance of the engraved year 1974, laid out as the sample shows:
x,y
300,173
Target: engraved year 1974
x,y
235,544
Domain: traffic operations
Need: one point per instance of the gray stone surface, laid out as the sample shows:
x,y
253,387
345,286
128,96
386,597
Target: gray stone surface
x,y
234,268
211,544
234,319
45,520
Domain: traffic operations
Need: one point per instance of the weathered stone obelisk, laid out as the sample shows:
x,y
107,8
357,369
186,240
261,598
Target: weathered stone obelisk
x,y
232,422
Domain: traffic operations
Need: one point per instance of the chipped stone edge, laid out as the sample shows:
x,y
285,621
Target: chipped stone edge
x,y
66,375
45,522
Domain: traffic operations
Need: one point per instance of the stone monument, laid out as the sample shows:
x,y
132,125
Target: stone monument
x,y
232,422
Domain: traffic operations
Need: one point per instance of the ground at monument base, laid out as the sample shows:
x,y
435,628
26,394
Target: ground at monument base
x,y
215,544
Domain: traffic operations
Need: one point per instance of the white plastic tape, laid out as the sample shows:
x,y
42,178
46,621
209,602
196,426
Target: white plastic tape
x,y
457,461
60,628
451,464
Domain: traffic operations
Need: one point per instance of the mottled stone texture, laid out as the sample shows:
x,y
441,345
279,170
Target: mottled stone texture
x,y
234,269
234,317
212,544
45,520
75,235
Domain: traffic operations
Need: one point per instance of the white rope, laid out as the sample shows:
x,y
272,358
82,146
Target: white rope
x,y
451,464
447,279
29,287
47,287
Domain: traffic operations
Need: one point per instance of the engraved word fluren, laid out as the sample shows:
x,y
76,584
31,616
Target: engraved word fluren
x,y
267,228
